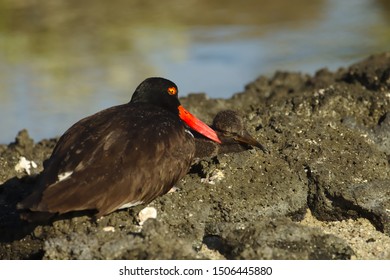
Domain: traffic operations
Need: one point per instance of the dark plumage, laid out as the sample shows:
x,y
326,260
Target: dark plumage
x,y
120,157
230,128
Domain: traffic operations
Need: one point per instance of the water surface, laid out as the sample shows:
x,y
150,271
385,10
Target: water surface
x,y
63,60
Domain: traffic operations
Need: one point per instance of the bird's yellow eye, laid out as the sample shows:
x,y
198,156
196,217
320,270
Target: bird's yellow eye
x,y
172,91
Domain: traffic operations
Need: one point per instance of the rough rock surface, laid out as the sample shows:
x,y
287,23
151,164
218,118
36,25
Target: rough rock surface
x,y
326,178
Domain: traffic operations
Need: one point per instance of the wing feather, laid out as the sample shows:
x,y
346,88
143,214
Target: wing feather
x,y
113,163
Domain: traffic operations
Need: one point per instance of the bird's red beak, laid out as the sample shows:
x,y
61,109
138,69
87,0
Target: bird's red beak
x,y
197,125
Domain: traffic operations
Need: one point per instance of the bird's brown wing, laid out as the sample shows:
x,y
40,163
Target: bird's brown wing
x,y
112,163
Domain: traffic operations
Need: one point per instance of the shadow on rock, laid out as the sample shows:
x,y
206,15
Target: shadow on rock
x,y
11,192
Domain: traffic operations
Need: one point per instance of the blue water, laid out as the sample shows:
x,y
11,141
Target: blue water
x,y
46,98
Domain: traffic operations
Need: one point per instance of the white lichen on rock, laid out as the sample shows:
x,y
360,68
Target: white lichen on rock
x,y
25,165
109,229
213,177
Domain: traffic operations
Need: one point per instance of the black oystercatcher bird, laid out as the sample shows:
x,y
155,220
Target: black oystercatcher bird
x,y
230,128
122,156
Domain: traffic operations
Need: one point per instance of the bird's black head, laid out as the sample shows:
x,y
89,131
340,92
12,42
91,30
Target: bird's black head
x,y
157,91
163,93
230,126
229,121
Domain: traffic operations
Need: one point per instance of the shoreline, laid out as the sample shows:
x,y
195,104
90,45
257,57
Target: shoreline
x,y
323,191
